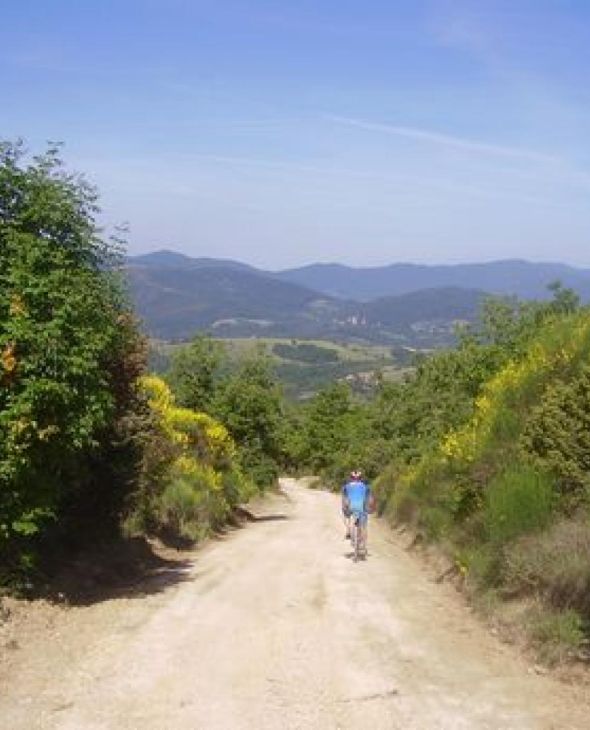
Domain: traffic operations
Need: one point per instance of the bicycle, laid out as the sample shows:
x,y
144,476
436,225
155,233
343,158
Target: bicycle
x,y
358,537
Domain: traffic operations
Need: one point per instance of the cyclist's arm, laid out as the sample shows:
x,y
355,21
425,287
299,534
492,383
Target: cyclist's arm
x,y
345,499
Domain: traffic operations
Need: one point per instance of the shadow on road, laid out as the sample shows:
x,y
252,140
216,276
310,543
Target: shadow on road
x,y
246,514
123,568
131,567
350,556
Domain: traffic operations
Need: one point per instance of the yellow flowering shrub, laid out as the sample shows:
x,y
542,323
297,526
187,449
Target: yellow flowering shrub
x,y
202,480
515,387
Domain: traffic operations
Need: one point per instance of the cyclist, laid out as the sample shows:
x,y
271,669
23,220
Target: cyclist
x,y
357,502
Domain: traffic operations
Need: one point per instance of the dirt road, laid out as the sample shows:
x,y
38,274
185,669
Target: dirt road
x,y
274,627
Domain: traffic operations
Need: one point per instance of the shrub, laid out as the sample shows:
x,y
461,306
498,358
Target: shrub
x,y
518,500
554,564
248,403
181,510
192,477
558,435
483,566
557,634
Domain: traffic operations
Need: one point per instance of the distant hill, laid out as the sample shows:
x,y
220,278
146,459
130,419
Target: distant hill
x,y
524,279
434,306
172,259
176,297
405,304
176,301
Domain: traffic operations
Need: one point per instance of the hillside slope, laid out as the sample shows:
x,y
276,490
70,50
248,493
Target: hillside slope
x,y
176,301
506,488
439,306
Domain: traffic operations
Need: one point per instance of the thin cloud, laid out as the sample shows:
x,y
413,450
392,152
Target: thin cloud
x,y
369,175
446,140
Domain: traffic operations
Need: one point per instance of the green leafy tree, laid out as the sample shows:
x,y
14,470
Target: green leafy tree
x,y
194,372
248,403
327,430
565,300
69,352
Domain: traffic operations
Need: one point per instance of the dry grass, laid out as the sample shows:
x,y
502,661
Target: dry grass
x,y
554,564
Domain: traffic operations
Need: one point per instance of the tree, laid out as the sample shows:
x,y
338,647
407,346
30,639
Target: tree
x,y
248,403
565,300
69,352
327,425
194,372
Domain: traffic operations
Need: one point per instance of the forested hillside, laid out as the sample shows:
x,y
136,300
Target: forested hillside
x,y
177,297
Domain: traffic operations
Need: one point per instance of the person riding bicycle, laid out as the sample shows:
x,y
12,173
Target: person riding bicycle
x,y
357,502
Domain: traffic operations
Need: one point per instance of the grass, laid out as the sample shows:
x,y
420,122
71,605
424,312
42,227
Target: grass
x,y
347,352
554,564
557,635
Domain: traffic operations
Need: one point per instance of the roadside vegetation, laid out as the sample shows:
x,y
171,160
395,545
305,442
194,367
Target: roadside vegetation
x,y
485,451
90,445
191,478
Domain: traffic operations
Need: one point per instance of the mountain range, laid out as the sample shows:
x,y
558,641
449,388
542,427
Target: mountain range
x,y
524,279
176,295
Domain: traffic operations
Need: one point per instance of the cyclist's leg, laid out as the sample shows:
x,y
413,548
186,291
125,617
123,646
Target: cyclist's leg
x,y
347,523
364,525
356,535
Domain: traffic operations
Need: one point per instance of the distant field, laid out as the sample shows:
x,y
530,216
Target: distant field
x,y
305,366
345,351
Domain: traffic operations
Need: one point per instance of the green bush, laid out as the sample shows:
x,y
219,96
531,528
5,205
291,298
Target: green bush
x,y
557,634
483,565
558,435
236,487
191,478
248,403
554,564
519,500
182,509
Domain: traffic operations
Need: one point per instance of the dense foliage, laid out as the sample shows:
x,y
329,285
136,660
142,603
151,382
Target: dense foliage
x,y
87,442
69,357
191,478
305,352
246,398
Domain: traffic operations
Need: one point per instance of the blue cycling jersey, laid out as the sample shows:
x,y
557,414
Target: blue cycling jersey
x,y
357,494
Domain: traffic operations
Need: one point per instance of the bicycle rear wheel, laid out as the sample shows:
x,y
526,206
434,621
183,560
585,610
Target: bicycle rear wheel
x,y
356,532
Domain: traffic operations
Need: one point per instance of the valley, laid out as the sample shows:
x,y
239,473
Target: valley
x,y
322,361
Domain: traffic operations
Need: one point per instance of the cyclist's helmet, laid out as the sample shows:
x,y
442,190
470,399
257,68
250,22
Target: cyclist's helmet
x,y
356,475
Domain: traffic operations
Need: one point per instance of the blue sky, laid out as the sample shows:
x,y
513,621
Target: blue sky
x,y
281,133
